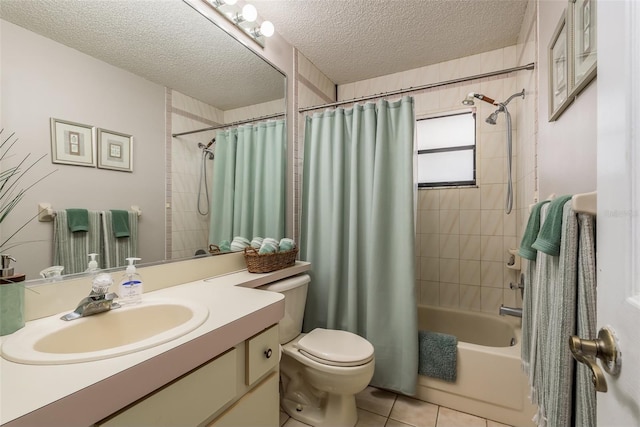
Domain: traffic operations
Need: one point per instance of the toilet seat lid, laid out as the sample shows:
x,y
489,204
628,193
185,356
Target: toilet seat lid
x,y
336,348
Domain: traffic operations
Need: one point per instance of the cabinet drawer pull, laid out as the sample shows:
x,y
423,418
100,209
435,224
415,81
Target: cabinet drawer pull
x,y
268,353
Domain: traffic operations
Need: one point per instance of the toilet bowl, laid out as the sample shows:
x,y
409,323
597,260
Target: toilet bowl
x,y
323,370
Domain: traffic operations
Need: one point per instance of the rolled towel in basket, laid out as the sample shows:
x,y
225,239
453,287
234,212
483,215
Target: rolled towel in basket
x,y
225,246
269,246
239,243
287,244
256,242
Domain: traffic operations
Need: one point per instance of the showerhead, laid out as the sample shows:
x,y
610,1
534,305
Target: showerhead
x,y
469,99
492,119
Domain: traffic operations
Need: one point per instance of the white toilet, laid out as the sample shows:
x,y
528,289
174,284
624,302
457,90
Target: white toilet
x,y
323,370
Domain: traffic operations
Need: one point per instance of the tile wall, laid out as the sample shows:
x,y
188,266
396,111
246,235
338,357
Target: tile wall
x,y
312,88
463,234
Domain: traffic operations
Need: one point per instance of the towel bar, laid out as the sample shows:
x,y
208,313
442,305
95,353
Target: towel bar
x,y
46,212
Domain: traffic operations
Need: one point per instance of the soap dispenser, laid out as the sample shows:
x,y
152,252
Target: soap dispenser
x,y
93,265
131,284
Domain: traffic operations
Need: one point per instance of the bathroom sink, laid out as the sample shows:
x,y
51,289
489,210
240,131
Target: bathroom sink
x,y
53,341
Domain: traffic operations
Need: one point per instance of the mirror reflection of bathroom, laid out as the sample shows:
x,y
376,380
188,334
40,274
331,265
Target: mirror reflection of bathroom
x,y
436,205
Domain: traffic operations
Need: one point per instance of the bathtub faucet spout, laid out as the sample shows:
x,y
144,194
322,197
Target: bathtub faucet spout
x,y
510,311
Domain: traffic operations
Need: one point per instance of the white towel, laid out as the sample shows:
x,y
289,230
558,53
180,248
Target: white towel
x,y
71,249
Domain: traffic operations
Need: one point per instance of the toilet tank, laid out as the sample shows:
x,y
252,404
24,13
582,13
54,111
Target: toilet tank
x,y
294,290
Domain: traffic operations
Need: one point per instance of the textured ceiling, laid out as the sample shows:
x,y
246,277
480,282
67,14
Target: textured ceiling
x,y
164,41
351,40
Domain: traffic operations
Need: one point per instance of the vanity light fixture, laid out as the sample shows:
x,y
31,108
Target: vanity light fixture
x,y
244,19
249,14
265,29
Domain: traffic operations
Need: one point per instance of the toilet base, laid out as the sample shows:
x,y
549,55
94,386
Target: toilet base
x,y
335,410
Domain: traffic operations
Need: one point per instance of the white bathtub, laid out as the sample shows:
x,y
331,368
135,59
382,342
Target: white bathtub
x,y
490,382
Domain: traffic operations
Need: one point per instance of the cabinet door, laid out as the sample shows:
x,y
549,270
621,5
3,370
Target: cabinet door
x,y
260,407
263,351
188,401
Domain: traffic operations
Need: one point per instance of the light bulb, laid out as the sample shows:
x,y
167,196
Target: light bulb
x,y
230,2
249,12
267,29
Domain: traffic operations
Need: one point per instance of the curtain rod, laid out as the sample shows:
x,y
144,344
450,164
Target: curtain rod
x,y
228,125
529,66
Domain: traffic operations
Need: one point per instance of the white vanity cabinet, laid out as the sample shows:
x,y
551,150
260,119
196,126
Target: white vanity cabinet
x,y
237,388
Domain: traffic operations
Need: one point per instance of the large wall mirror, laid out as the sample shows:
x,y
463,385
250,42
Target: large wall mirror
x,y
143,69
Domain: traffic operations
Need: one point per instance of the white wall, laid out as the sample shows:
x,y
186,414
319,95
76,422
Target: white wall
x,y
566,147
43,79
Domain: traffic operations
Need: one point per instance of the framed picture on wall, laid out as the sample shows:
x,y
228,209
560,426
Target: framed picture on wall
x,y
559,70
72,143
582,16
115,150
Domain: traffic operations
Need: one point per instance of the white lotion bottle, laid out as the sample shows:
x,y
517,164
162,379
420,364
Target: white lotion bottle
x,y
131,285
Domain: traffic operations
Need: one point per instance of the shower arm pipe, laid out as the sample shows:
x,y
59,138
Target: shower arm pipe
x,y
515,95
529,66
230,125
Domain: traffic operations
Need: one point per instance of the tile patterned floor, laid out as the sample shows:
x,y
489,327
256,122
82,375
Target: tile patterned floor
x,y
380,408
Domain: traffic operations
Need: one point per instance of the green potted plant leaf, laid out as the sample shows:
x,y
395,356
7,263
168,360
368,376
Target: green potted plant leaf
x,y
12,191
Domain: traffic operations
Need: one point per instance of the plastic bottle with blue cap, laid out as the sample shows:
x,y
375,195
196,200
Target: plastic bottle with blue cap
x,y
131,284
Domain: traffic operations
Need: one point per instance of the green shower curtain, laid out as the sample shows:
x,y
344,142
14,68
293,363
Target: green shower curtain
x,y
357,230
248,183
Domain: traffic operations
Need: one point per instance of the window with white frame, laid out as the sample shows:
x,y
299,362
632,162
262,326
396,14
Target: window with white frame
x,y
447,150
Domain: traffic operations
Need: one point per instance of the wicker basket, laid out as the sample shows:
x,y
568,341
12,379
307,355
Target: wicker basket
x,y
266,263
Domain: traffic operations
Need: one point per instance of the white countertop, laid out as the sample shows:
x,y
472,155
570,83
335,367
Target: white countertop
x,y
84,393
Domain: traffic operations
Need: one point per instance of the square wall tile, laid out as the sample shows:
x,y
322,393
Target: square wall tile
x,y
430,269
449,270
470,222
450,199
470,297
450,221
470,272
469,198
491,223
429,222
470,247
429,293
490,299
491,248
449,295
428,199
491,170
492,196
492,61
449,246
430,245
491,274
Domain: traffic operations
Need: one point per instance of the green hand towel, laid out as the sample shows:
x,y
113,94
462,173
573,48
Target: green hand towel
x,y
120,223
548,240
78,220
531,232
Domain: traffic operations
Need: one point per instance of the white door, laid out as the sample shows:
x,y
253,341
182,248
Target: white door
x,y
618,221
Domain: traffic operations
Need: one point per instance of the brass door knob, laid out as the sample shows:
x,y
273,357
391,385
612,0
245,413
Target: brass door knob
x,y
604,348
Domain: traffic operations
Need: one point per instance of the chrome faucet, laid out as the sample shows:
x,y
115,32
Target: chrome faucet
x,y
98,300
510,311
